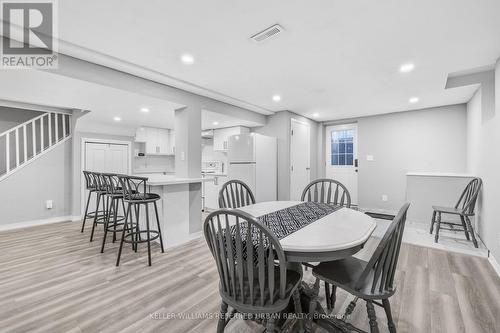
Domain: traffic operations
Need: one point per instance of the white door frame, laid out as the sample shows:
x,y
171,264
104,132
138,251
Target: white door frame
x,y
293,120
83,161
326,151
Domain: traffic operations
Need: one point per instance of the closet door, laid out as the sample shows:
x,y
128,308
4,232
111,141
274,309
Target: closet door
x,y
104,157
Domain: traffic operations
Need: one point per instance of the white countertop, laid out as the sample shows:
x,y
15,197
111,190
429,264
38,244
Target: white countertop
x,y
440,174
160,179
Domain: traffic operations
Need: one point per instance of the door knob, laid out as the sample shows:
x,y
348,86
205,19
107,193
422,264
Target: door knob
x,y
308,168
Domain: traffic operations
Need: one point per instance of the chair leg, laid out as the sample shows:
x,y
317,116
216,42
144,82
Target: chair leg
x,y
95,216
312,306
333,297
158,225
86,211
137,228
106,224
465,228
349,309
115,217
474,241
123,235
222,318
438,226
327,296
270,327
148,234
388,313
372,317
433,220
298,308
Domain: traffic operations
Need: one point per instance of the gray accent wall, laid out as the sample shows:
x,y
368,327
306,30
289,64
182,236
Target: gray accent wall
x,y
25,192
427,140
279,126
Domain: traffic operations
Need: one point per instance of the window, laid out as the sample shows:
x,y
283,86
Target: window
x,y
342,147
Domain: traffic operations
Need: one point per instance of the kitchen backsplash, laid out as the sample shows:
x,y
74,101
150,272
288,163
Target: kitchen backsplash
x,y
154,164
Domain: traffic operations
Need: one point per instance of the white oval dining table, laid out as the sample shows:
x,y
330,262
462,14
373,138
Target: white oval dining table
x,y
335,236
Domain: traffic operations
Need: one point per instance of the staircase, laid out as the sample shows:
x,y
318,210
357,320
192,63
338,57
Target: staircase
x,y
21,145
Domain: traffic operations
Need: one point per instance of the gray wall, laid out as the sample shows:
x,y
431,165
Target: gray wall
x,y
48,178
11,117
427,140
279,126
483,136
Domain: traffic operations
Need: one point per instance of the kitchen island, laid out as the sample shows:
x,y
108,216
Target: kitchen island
x,y
179,209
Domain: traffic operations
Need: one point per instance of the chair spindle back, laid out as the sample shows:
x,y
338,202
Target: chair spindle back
x,y
385,258
235,194
327,191
249,258
467,201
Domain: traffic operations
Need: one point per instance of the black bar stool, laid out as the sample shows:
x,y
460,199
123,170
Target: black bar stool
x,y
135,194
101,190
92,188
114,193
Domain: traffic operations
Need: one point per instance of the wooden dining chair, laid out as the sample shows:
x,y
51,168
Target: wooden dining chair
x,y
327,191
332,192
464,208
235,194
253,273
372,280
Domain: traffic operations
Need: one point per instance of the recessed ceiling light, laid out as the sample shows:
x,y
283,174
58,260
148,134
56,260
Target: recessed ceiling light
x,y
187,59
413,100
316,115
144,110
117,119
276,98
406,68
215,123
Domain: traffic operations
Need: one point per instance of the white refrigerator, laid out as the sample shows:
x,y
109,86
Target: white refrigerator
x,y
253,159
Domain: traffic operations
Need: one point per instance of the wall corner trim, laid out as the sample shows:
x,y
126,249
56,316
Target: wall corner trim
x,y
494,263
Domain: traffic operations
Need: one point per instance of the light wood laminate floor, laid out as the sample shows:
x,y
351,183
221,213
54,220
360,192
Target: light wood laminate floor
x,y
53,280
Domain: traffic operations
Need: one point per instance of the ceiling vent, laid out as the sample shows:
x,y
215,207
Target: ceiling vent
x,y
267,33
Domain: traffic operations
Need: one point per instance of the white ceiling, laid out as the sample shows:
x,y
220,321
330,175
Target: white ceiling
x,y
105,103
338,58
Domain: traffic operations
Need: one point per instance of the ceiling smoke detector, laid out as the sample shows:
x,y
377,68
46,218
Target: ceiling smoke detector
x,y
267,33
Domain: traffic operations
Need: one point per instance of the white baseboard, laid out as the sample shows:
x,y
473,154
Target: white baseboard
x,y
33,223
195,235
494,264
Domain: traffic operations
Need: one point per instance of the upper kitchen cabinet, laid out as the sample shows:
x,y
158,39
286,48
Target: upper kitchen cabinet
x,y
221,136
158,141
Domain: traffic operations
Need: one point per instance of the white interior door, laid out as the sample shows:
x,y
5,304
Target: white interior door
x,y
300,158
105,157
342,157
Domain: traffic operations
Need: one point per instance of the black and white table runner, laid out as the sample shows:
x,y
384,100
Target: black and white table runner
x,y
288,220
283,223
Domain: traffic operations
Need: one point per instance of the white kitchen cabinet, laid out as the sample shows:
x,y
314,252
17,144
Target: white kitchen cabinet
x,y
141,135
171,142
221,136
158,141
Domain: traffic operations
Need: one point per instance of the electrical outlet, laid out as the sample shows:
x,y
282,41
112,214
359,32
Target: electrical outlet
x,y
49,204
385,197
370,158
